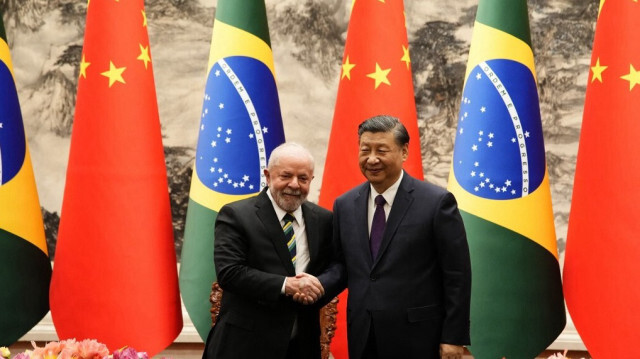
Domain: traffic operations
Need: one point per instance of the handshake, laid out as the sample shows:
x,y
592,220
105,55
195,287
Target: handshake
x,y
304,288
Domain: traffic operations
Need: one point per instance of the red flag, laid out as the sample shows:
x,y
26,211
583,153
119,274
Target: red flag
x,y
601,264
115,275
375,80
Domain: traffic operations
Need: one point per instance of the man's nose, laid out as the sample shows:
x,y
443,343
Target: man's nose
x,y
294,183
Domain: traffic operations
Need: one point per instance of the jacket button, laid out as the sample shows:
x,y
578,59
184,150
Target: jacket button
x,y
372,278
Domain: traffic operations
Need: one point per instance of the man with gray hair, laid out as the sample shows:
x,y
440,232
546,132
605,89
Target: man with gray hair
x,y
267,250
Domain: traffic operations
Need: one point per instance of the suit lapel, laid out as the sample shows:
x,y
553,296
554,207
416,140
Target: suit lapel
x,y
361,209
313,236
267,215
401,204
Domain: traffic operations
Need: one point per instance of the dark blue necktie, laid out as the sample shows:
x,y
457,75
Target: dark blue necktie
x,y
377,226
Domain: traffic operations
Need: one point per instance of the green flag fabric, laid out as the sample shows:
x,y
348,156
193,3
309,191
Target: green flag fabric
x,y
240,125
499,177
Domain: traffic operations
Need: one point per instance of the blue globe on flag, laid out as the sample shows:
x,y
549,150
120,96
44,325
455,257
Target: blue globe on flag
x,y
240,126
499,149
12,138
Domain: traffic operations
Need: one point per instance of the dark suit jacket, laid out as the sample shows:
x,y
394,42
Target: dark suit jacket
x,y
417,292
252,260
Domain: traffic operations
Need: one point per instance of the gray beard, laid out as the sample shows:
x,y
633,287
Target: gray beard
x,y
289,206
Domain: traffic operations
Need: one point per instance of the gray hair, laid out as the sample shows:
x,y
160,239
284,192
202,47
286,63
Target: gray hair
x,y
385,123
289,148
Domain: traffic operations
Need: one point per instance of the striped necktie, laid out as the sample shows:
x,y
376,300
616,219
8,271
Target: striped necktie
x,y
290,236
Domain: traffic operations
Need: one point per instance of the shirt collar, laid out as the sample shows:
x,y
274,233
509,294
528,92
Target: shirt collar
x,y
390,194
297,214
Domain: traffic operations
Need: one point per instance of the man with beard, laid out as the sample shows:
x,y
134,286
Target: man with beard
x,y
267,250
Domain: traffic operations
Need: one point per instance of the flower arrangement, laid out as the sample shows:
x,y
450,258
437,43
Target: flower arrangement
x,y
559,356
72,349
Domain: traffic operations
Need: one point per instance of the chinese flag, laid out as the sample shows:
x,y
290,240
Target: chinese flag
x,y
115,275
601,265
375,80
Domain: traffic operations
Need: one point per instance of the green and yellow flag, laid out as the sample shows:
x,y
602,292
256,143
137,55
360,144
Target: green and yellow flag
x,y
25,269
501,182
240,125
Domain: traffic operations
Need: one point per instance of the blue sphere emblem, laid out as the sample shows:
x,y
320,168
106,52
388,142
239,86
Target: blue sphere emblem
x,y
499,148
240,125
13,145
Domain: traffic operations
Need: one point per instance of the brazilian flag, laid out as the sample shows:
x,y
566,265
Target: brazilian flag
x,y
501,182
240,125
25,269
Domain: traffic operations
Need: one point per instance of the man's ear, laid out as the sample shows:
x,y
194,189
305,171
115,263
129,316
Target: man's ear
x,y
405,152
266,175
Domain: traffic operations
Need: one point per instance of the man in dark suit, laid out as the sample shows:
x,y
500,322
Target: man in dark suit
x,y
403,247
260,272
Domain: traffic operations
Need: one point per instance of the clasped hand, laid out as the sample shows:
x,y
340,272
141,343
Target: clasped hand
x,y
304,288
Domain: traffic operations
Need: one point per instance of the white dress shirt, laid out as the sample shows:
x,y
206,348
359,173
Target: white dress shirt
x,y
299,229
389,195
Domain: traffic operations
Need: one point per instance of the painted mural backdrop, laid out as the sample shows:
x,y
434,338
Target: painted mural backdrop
x,y
45,38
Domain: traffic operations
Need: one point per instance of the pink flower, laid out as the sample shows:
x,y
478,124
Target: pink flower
x,y
37,353
71,349
559,355
125,353
24,355
92,349
129,353
53,348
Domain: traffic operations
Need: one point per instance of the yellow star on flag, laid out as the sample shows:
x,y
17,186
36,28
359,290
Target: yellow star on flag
x,y
380,76
633,77
144,55
405,56
597,71
144,18
114,74
83,67
346,69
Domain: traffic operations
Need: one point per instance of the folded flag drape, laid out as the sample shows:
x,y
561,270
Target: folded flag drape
x,y
500,179
239,127
601,262
375,79
115,274
25,269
